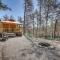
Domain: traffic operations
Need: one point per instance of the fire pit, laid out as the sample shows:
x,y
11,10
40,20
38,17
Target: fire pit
x,y
44,44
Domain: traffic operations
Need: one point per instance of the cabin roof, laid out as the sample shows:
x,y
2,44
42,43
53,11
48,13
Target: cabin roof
x,y
11,22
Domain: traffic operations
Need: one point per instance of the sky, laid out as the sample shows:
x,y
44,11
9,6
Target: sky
x,y
17,7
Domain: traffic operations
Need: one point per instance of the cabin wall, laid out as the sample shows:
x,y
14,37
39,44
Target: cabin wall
x,y
1,27
9,27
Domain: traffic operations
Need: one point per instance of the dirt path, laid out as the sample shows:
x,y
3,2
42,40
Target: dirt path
x,y
1,49
20,48
13,46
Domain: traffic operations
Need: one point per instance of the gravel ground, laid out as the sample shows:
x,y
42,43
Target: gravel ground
x,y
20,48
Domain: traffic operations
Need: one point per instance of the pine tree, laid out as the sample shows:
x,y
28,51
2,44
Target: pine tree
x,y
28,5
20,19
3,6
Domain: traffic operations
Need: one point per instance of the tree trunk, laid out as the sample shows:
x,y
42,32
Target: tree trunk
x,y
55,28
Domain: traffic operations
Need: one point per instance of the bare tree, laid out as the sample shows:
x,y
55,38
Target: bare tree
x,y
47,6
